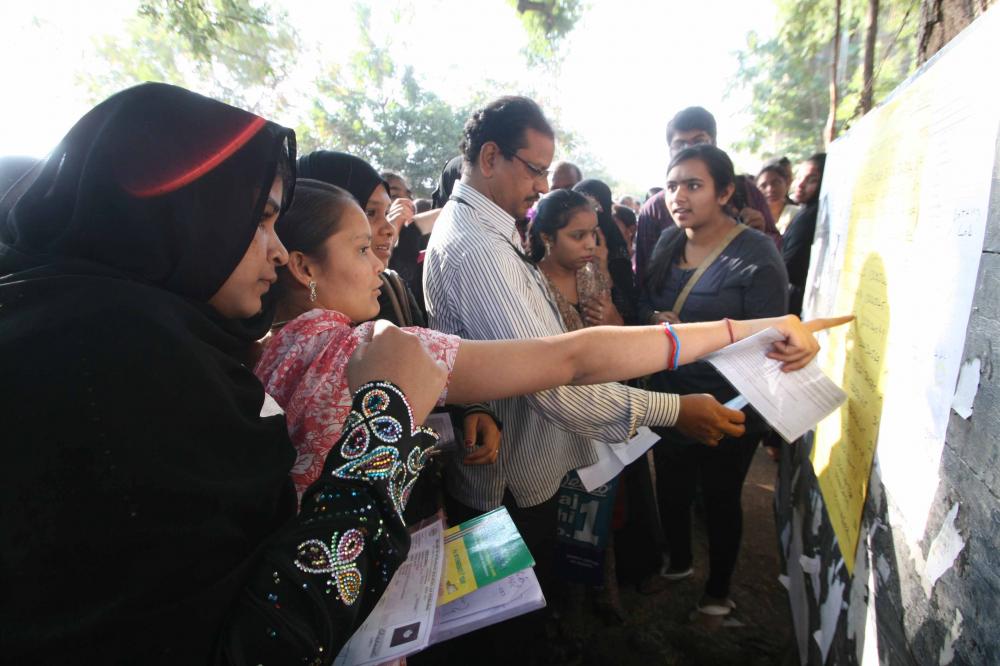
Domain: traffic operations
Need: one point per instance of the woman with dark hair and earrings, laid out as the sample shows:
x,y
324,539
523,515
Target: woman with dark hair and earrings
x,y
358,177
476,426
564,238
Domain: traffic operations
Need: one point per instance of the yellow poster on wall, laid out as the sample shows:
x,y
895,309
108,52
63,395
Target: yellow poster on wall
x,y
901,226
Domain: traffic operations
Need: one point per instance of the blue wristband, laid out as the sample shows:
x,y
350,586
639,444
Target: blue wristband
x,y
677,346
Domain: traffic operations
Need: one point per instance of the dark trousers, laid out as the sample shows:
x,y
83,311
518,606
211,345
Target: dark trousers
x,y
722,470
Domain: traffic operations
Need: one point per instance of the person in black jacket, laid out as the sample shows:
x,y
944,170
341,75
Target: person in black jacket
x,y
708,267
147,511
798,237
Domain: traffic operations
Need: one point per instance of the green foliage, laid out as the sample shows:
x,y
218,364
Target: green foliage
x,y
788,98
203,26
788,76
547,23
228,49
382,113
240,51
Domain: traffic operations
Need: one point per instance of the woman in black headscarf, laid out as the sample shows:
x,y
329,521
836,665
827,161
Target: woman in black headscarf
x,y
358,177
450,175
147,512
619,258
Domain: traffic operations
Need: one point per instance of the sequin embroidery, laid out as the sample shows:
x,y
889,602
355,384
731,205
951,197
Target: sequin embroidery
x,y
378,464
337,559
382,462
370,421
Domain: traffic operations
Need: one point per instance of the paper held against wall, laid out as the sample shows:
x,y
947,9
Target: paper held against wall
x,y
791,402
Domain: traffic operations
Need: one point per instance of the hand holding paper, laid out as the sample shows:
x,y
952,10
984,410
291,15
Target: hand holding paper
x,y
612,458
792,402
702,418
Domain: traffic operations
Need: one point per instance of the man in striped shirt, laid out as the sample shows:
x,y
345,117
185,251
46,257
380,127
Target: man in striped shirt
x,y
479,285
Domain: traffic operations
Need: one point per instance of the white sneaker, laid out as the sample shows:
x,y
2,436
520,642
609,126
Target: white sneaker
x,y
670,574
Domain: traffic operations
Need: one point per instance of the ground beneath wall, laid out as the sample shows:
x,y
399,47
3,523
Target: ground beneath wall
x,y
658,629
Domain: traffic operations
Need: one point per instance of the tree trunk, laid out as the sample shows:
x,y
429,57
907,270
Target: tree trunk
x,y
830,131
871,32
940,20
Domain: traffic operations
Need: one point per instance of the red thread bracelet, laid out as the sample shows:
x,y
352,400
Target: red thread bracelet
x,y
729,327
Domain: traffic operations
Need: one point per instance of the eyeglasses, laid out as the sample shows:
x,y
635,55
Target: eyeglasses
x,y
543,174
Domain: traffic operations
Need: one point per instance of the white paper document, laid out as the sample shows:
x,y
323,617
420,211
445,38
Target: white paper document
x,y
400,624
440,422
509,597
792,402
612,458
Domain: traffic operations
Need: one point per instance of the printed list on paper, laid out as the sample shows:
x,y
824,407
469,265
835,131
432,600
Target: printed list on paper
x,y
792,402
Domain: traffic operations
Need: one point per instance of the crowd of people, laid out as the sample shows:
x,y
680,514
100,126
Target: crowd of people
x,y
220,356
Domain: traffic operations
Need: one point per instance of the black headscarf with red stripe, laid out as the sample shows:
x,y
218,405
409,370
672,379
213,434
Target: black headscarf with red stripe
x,y
158,183
139,479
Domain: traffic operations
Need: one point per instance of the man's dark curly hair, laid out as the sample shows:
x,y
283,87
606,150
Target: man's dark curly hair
x,y
503,121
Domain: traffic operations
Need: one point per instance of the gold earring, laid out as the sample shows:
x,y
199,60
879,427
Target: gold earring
x,y
312,291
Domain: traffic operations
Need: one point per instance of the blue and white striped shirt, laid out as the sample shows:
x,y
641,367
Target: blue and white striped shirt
x,y
479,287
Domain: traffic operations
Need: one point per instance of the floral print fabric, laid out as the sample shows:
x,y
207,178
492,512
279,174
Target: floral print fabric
x,y
304,367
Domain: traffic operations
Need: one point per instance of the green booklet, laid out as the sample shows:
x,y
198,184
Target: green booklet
x,y
481,551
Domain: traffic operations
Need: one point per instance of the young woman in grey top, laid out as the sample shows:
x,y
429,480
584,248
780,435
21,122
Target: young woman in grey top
x,y
746,279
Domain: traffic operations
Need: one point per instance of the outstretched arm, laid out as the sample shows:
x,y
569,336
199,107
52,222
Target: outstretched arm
x,y
489,370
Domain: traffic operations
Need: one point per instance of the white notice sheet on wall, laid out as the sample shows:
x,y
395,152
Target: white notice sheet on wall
x,y
792,402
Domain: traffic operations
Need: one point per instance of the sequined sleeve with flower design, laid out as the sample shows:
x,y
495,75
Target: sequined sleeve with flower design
x,y
321,577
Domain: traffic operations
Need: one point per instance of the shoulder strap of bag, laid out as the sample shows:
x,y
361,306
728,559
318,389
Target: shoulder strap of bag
x,y
399,287
387,289
703,266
